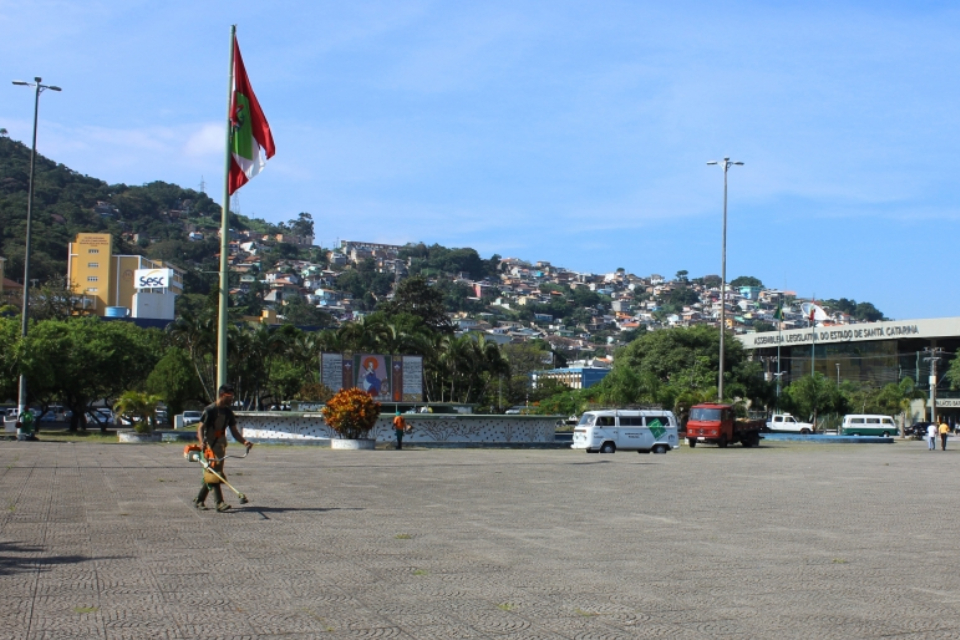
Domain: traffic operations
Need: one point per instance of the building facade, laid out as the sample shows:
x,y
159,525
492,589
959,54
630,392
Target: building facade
x,y
574,377
873,354
121,285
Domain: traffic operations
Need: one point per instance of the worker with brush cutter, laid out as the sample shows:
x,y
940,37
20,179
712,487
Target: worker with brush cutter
x,y
212,434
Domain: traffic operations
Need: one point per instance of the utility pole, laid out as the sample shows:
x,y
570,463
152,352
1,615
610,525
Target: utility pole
x,y
934,357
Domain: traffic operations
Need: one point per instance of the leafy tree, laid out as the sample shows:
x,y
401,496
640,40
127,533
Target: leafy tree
x,y
175,381
86,359
711,281
671,362
815,394
298,312
762,326
9,360
415,297
682,275
896,398
746,281
303,225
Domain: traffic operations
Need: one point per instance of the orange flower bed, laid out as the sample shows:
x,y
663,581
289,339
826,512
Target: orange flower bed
x,y
352,413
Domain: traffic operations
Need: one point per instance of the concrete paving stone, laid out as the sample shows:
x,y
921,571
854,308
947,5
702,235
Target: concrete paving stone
x,y
783,541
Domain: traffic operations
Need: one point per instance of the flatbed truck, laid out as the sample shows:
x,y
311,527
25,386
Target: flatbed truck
x,y
716,423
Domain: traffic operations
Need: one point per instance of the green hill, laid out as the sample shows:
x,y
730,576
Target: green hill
x,y
67,203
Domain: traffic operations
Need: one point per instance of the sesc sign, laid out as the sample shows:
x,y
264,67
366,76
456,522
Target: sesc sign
x,y
152,278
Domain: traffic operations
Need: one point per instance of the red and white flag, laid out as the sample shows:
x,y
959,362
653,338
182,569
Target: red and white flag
x,y
251,142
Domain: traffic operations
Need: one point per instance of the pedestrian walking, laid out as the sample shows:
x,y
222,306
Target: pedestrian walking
x,y
944,430
400,427
212,434
932,437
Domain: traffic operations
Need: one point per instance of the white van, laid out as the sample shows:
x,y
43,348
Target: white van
x,y
862,424
641,430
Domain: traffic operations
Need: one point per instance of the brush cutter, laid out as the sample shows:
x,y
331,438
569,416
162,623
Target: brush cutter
x,y
194,453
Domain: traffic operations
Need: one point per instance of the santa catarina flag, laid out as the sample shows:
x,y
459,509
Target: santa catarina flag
x,y
251,143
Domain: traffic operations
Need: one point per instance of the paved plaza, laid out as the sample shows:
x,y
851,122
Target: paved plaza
x,y
786,541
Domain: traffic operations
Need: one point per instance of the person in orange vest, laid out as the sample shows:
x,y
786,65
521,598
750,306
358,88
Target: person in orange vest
x,y
212,434
400,427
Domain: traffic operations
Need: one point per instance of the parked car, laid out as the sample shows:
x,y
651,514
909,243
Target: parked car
x,y
100,416
918,429
191,417
56,413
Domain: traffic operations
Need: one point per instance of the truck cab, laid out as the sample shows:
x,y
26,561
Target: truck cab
x,y
716,423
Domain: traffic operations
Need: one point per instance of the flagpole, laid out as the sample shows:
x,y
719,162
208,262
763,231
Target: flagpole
x,y
225,231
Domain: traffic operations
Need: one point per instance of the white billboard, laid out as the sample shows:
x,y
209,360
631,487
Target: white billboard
x,y
152,278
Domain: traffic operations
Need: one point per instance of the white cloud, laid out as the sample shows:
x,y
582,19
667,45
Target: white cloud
x,y
207,140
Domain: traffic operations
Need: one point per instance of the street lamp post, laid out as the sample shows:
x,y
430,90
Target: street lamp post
x,y
725,163
25,314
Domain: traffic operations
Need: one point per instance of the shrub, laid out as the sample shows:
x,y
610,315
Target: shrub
x,y
352,413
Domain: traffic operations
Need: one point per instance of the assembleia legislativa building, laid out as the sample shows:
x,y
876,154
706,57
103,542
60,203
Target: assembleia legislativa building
x,y
873,353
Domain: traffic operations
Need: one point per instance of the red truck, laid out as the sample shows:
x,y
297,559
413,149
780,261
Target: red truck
x,y
716,423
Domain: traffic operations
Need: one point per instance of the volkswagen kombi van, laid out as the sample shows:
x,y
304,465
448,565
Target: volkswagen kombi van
x,y
641,430
867,425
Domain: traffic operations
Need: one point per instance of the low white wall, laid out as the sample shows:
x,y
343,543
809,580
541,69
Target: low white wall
x,y
293,427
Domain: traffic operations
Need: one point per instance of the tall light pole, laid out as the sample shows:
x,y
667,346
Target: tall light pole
x,y
726,164
25,315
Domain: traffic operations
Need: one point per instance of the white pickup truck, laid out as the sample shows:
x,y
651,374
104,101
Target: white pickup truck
x,y
786,422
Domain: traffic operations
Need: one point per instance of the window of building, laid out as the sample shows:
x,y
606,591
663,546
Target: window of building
x,y
93,265
93,250
93,279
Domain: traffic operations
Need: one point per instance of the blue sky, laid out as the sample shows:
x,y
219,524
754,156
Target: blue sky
x,y
571,132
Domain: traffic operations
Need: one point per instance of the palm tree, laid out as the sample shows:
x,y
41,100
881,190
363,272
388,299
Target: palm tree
x,y
197,335
140,408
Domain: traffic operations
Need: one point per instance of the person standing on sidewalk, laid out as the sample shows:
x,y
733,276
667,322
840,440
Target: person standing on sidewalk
x,y
932,437
212,434
944,430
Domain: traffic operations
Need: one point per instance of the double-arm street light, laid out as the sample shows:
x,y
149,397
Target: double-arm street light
x,y
24,317
726,163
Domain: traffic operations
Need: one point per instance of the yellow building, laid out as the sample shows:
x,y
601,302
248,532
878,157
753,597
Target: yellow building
x,y
112,283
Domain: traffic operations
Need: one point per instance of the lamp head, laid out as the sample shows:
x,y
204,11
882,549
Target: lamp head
x,y
21,83
58,89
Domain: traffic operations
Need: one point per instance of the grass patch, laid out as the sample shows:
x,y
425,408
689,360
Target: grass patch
x,y
839,561
586,614
506,606
419,572
85,609
79,436
403,536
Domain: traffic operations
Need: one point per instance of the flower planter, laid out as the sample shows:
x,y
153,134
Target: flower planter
x,y
134,437
345,444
